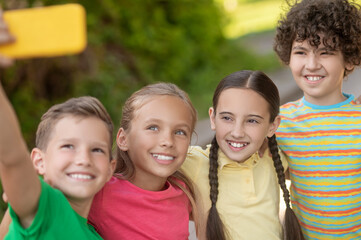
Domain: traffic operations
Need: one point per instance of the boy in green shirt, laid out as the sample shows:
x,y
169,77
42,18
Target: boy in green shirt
x,y
73,153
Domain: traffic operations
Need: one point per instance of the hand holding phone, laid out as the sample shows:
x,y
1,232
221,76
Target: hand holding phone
x,y
45,31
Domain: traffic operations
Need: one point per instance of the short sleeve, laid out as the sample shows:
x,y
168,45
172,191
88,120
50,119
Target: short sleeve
x,y
38,219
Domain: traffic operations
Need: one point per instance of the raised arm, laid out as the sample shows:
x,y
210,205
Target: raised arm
x,y
18,177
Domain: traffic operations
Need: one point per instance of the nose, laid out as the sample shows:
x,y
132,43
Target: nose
x,y
166,139
83,158
238,130
312,62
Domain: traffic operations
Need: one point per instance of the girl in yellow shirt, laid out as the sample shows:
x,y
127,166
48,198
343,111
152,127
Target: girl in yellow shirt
x,y
238,187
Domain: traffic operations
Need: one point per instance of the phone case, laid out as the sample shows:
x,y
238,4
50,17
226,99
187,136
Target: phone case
x,y
46,31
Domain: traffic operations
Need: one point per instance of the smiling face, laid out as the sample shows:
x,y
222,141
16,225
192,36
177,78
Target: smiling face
x,y
241,122
77,158
157,141
319,72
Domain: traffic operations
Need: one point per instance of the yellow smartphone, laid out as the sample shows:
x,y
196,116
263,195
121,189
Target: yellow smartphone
x,y
46,31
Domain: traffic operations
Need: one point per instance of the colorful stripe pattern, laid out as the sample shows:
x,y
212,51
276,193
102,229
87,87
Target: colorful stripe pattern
x,y
324,149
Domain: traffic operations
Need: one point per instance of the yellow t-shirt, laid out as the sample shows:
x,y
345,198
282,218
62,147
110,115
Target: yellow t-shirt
x,y
248,199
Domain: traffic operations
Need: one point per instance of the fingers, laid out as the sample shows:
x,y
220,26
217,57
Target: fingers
x,y
5,62
5,38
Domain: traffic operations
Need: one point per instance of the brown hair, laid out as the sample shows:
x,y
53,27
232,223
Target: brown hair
x,y
80,107
338,21
125,167
263,85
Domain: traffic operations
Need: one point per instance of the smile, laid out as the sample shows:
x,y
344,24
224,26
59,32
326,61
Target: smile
x,y
313,78
80,176
237,145
163,157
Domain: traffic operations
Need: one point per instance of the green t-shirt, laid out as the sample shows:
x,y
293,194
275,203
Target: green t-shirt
x,y
55,219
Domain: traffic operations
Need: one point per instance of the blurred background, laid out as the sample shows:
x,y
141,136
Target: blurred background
x,y
192,43
131,43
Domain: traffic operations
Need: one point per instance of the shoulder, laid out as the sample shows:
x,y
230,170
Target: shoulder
x,y
52,200
290,109
197,151
267,158
197,154
292,105
53,209
114,186
196,159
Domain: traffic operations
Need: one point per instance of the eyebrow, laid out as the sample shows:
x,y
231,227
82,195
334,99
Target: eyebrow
x,y
76,140
297,47
249,115
185,126
318,49
159,121
254,115
226,113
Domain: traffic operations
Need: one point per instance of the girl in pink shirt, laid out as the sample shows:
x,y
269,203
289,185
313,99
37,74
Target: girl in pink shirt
x,y
148,198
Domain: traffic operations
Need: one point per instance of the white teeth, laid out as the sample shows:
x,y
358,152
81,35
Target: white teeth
x,y
313,78
163,157
237,145
80,176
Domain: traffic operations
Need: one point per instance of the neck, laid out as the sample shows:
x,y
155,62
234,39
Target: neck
x,y
81,207
328,100
150,184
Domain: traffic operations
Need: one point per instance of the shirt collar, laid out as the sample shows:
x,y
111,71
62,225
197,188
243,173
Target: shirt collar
x,y
225,161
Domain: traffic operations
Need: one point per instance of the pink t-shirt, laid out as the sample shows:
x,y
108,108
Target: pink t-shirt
x,y
124,211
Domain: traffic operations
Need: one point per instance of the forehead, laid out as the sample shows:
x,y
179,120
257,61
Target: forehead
x,y
239,100
165,108
306,43
80,127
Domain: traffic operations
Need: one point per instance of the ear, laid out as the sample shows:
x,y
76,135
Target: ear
x,y
122,140
274,126
349,66
37,157
212,118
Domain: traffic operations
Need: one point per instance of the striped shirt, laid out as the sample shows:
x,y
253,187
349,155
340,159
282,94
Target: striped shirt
x,y
323,144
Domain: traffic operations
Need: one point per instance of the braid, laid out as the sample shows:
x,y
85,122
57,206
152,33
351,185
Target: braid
x,y
213,171
215,228
292,227
272,144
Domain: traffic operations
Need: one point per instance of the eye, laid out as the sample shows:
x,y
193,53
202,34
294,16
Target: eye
x,y
181,132
67,146
226,118
153,128
98,150
299,53
253,121
327,53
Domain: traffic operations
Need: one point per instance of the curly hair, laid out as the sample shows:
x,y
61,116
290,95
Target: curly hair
x,y
338,21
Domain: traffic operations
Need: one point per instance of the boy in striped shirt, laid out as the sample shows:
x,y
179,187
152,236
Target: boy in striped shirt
x,y
320,40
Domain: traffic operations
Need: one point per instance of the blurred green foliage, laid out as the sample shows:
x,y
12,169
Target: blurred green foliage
x,y
131,44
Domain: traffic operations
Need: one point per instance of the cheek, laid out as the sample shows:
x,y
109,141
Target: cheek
x,y
183,146
222,129
259,134
295,64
